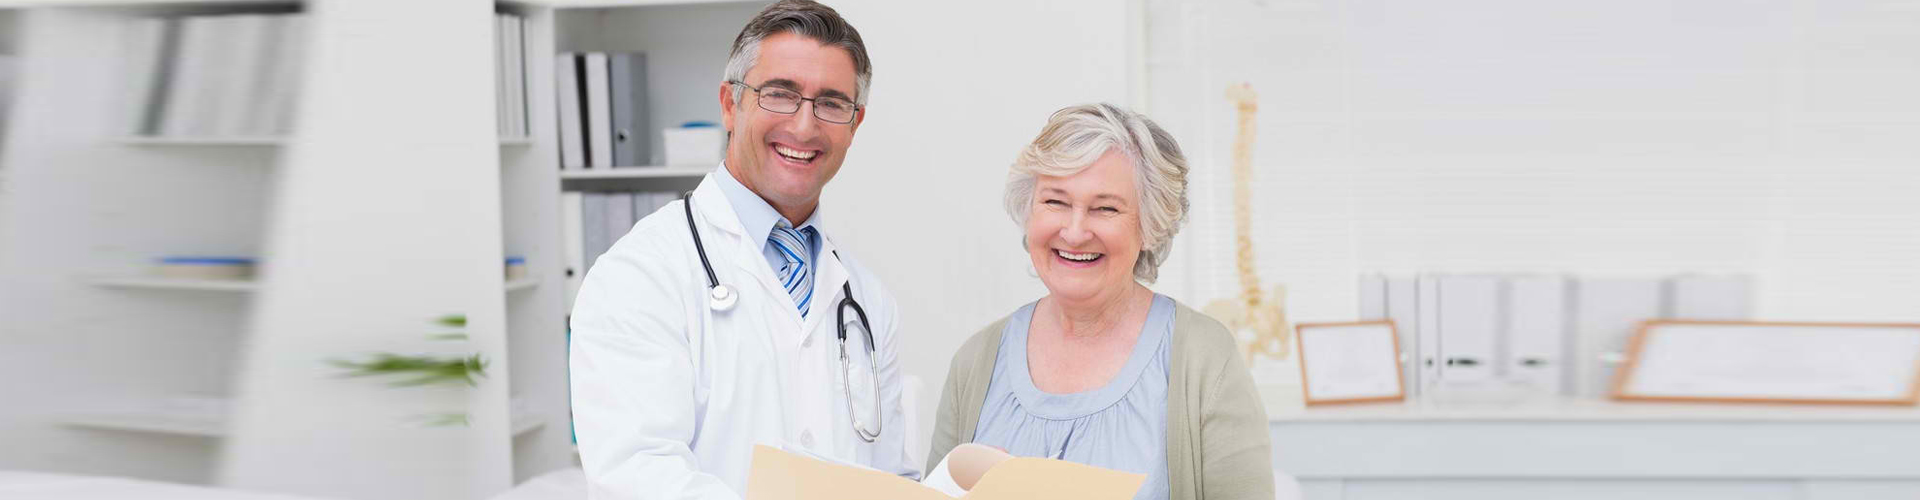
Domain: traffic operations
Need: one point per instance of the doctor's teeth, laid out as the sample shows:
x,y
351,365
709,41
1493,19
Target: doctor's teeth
x,y
795,153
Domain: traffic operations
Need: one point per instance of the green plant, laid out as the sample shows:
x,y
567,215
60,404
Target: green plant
x,y
418,369
413,370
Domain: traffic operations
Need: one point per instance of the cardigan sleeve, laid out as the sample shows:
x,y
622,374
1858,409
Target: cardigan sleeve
x,y
946,420
1235,443
966,387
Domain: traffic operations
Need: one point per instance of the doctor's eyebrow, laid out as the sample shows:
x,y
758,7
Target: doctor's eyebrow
x,y
795,86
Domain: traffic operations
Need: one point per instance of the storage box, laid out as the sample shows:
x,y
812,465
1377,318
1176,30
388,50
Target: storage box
x,y
696,145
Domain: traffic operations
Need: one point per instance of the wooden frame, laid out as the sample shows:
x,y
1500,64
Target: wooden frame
x,y
1636,354
1306,381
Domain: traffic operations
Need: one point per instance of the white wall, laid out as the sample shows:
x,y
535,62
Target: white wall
x,y
1627,137
1622,138
956,93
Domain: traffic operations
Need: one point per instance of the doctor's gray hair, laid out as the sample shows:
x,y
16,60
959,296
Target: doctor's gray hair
x,y
1077,136
805,18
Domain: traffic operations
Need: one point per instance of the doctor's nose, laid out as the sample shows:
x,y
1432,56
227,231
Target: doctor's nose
x,y
806,126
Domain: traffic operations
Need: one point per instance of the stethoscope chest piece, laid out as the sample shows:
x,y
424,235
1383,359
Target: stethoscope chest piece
x,y
722,298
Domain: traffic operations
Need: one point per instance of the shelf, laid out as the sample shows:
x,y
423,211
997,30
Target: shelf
x,y
630,179
522,284
1587,410
205,417
164,283
596,4
203,141
186,416
637,173
23,4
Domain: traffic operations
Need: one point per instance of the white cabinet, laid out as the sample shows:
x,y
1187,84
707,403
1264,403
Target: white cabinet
x,y
1587,449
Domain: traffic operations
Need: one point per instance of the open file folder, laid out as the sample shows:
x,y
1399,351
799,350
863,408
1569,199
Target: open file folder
x,y
780,475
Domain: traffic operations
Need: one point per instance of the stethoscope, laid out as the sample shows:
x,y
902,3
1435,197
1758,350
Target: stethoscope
x,y
722,298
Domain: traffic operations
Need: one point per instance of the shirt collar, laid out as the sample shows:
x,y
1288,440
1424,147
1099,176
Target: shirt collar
x,y
756,215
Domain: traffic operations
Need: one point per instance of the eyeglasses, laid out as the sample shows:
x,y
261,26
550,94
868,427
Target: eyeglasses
x,y
829,109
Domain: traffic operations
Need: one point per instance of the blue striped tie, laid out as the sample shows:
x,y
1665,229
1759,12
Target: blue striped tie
x,y
796,275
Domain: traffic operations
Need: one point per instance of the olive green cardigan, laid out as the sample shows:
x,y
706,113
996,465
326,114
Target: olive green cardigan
x,y
1217,438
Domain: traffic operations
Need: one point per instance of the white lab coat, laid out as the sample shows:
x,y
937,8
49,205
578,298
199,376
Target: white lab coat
x,y
670,396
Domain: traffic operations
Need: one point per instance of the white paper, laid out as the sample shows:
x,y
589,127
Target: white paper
x,y
1777,362
1350,361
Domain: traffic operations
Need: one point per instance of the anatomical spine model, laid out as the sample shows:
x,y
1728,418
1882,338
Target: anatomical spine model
x,y
1258,320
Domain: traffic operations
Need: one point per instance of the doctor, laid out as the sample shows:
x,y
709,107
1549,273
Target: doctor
x,y
720,323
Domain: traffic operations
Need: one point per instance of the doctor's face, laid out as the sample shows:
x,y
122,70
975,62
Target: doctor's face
x,y
1083,230
787,158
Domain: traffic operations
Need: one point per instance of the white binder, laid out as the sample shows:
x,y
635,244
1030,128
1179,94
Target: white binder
x,y
1704,297
1537,331
1469,328
1427,358
1403,307
1607,310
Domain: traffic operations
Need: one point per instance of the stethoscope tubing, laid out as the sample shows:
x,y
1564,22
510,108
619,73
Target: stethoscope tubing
x,y
721,298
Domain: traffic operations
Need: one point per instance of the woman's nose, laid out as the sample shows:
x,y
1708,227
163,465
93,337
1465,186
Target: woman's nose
x,y
1075,232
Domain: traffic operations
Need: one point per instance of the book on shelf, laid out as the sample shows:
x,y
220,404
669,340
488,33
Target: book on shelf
x,y
572,233
599,111
573,155
606,217
230,75
631,139
509,53
603,110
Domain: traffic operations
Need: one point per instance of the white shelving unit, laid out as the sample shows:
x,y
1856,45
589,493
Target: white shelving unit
x,y
380,211
91,207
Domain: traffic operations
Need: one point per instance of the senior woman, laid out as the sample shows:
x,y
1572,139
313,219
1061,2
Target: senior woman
x,y
1103,371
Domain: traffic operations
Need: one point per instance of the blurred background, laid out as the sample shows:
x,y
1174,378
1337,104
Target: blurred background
x,y
214,214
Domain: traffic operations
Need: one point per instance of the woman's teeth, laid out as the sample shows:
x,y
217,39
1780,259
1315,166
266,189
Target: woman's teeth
x,y
1077,257
795,153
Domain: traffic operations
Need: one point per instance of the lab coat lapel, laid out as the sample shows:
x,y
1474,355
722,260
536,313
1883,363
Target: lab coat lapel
x,y
749,257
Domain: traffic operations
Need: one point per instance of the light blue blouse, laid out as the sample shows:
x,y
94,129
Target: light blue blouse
x,y
1122,426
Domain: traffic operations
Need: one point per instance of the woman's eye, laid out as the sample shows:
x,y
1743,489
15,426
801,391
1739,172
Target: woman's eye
x,y
1056,203
1110,210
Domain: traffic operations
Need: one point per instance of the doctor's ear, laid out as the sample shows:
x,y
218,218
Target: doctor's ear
x,y
726,106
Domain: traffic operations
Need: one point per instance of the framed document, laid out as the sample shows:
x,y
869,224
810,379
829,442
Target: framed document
x,y
1750,362
1349,362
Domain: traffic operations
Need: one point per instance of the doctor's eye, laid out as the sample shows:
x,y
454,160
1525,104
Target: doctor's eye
x,y
1107,210
1054,203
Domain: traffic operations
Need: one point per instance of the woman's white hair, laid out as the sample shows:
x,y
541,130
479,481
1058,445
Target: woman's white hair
x,y
1077,136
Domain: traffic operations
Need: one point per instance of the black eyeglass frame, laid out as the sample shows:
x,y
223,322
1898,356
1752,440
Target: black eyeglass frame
x,y
796,107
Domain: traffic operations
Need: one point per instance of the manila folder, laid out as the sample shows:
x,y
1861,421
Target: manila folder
x,y
779,475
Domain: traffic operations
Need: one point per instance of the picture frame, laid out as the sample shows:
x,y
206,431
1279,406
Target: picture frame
x,y
1349,362
1772,362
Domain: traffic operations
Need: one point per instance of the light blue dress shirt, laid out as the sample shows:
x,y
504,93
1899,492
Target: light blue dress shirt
x,y
1121,426
759,217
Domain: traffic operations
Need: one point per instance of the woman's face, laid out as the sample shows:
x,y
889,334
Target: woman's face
x,y
1083,231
